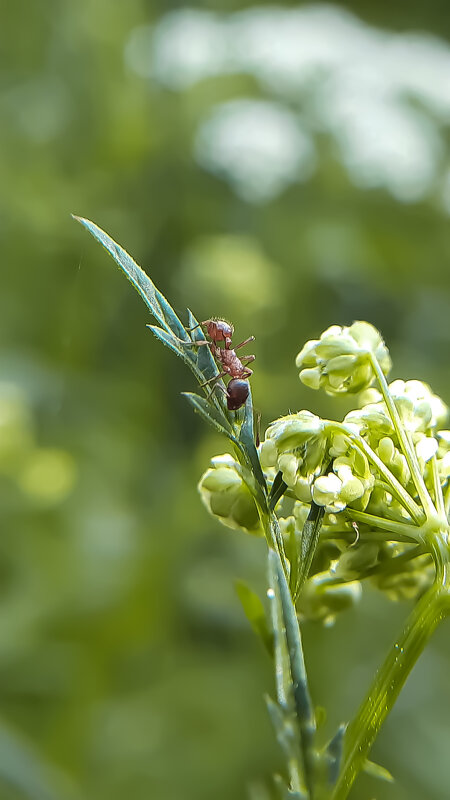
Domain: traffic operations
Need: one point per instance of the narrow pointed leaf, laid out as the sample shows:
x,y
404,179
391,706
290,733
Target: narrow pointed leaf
x,y
170,341
255,613
134,273
154,299
171,318
277,491
294,675
377,771
283,728
205,361
292,552
333,752
283,677
309,541
246,437
211,414
293,637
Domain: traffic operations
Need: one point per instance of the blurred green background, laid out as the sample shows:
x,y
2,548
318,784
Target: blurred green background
x,y
286,167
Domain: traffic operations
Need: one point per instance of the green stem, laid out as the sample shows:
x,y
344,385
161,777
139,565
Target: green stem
x,y
405,443
274,537
350,537
362,731
447,500
403,531
438,495
395,486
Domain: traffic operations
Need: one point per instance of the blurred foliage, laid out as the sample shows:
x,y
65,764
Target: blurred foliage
x,y
126,666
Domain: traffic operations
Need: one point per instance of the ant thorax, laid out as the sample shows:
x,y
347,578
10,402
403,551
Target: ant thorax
x,y
230,362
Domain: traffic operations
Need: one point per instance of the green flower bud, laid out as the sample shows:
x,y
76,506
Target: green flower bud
x,y
345,485
303,490
354,562
418,407
443,456
407,585
409,581
295,445
288,464
226,496
425,411
372,422
393,459
300,512
339,361
326,492
426,447
350,465
322,599
287,525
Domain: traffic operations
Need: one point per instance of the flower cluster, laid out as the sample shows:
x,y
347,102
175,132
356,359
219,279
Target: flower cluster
x,y
341,360
369,473
295,445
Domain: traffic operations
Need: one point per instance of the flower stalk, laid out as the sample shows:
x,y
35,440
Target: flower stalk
x,y
431,609
366,499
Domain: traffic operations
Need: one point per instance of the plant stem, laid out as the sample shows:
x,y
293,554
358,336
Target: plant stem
x,y
404,441
401,530
395,486
362,731
438,495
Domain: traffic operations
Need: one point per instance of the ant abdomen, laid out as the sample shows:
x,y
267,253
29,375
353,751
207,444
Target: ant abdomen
x,y
237,393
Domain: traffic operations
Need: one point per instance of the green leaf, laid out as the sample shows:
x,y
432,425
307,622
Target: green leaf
x,y
377,771
292,552
205,361
211,414
289,663
246,437
277,491
174,344
156,302
171,318
333,751
308,544
283,677
255,613
282,725
293,638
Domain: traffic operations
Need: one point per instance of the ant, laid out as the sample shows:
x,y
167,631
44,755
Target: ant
x,y
219,330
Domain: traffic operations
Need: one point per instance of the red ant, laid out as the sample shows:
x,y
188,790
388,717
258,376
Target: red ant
x,y
238,389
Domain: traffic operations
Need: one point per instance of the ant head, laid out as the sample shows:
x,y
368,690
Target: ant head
x,y
237,393
219,330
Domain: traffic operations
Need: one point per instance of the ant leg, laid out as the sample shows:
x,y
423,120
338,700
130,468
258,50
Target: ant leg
x,y
246,373
246,341
257,423
193,344
218,386
214,378
247,359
